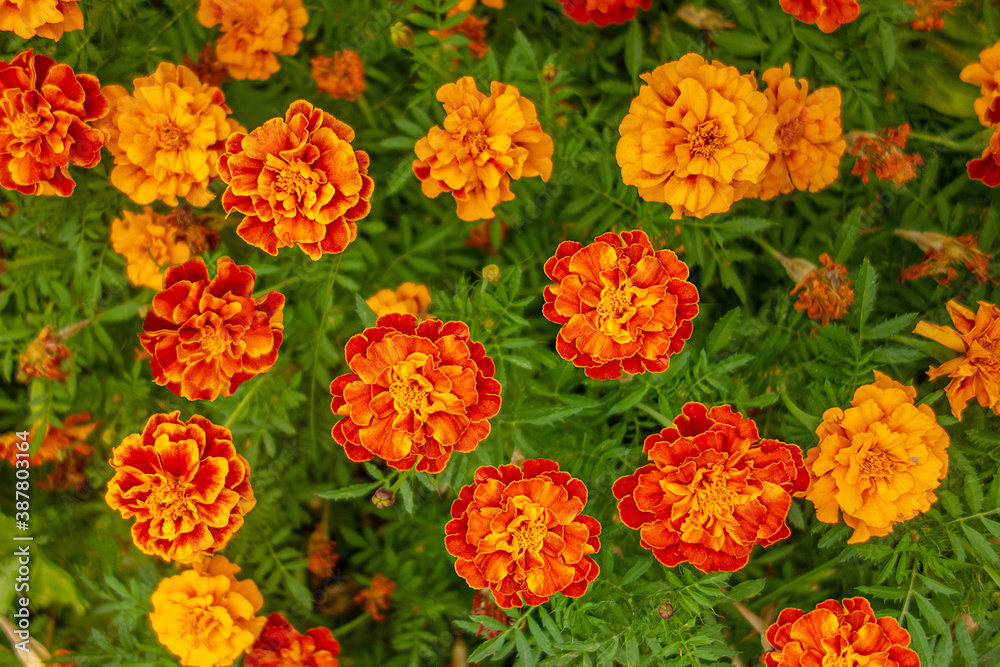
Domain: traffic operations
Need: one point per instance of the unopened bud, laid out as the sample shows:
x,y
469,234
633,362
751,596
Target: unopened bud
x,y
491,273
666,610
383,498
549,72
401,35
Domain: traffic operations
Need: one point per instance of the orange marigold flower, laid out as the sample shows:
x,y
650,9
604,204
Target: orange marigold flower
x,y
712,490
986,75
975,372
485,142
838,633
986,168
44,357
481,236
521,533
167,136
184,483
205,616
254,32
469,5
44,18
207,337
148,243
942,253
342,76
879,461
322,553
280,645
66,447
808,136
298,181
927,13
828,15
882,154
483,605
45,108
415,393
621,304
408,298
472,28
825,294
378,596
698,136
602,12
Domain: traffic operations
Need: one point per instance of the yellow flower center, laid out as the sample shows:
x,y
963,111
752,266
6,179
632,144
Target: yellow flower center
x,y
529,536
202,622
837,660
24,123
169,500
877,464
614,302
706,139
476,142
409,396
790,132
170,137
715,496
292,181
213,341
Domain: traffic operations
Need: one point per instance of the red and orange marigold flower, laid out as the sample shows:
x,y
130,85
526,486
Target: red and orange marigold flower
x,y
65,447
882,154
986,75
44,18
941,255
824,293
927,13
207,337
254,32
148,242
377,597
838,633
45,111
621,304
602,12
280,645
712,490
521,533
342,75
828,15
879,461
698,137
415,393
485,142
298,181
184,483
407,299
44,357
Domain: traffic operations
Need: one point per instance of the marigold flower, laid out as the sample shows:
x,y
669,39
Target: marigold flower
x,y
147,242
942,253
61,652
167,136
828,15
879,461
472,28
205,616
44,18
836,633
44,357
184,483
698,136
927,13
66,447
207,337
808,136
975,372
342,75
602,12
882,154
481,236
483,605
280,645
986,75
298,181
408,298
986,168
825,294
469,5
322,553
485,142
45,108
621,304
254,32
208,69
378,596
415,393
521,533
712,490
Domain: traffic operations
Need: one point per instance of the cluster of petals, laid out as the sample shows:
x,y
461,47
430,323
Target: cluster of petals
x,y
808,136
407,299
167,136
828,15
882,154
148,242
41,18
698,137
377,597
414,394
824,293
342,75
45,114
520,532
942,253
975,372
44,357
254,32
485,142
622,305
280,645
473,29
185,485
712,490
879,461
297,181
838,633
65,447
205,616
927,13
208,336
602,12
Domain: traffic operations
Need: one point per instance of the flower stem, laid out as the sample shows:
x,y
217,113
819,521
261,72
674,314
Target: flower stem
x,y
351,624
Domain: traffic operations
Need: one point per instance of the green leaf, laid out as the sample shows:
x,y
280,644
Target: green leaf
x,y
636,571
974,493
525,656
890,327
887,33
352,491
965,646
365,313
747,589
723,331
633,50
548,416
406,495
629,401
982,546
930,614
807,420
866,287
540,637
883,592
488,648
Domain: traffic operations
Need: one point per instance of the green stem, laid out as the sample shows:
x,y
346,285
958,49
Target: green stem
x,y
242,404
941,141
973,516
794,583
909,596
350,625
324,314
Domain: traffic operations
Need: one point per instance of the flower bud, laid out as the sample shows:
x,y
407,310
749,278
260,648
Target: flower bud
x,y
665,610
549,72
383,498
401,35
491,273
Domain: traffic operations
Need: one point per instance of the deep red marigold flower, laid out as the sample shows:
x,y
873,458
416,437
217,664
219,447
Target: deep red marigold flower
x,y
66,447
44,18
927,13
342,75
602,12
207,337
828,15
941,255
521,533
986,168
184,483
414,393
44,357
45,108
882,154
838,633
280,645
254,32
298,181
378,596
712,491
621,304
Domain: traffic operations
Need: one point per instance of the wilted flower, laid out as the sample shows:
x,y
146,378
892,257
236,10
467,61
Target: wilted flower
x,y
148,242
407,299
254,32
986,75
824,293
472,28
44,357
378,596
483,605
66,447
709,20
878,462
882,154
927,13
521,533
942,253
828,15
44,18
602,12
341,75
280,645
322,552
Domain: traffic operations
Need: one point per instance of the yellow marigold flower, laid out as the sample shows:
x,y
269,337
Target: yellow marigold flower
x,y
44,18
878,462
824,293
942,253
408,298
205,616
975,372
808,136
147,242
986,75
698,136
254,32
167,136
342,76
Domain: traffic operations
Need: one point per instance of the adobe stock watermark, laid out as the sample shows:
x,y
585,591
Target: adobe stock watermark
x,y
22,552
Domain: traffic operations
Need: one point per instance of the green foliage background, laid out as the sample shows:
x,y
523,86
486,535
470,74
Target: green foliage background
x,y
91,587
